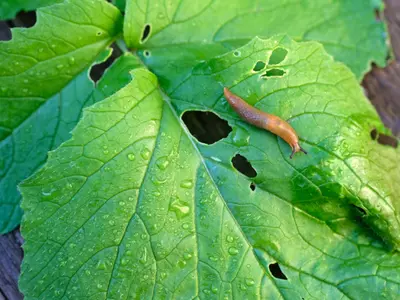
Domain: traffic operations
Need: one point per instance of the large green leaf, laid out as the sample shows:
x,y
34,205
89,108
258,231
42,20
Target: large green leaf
x,y
9,8
184,32
133,207
37,109
26,149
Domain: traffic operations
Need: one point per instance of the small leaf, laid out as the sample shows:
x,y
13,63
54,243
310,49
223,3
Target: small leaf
x,y
132,206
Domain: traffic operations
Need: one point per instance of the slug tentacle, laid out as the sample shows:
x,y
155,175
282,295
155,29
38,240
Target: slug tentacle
x,y
264,120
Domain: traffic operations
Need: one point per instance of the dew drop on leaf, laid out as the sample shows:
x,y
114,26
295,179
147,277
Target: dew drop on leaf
x,y
233,251
131,156
145,153
187,184
162,163
249,281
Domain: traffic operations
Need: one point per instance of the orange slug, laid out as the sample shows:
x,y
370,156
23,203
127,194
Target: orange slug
x,y
264,120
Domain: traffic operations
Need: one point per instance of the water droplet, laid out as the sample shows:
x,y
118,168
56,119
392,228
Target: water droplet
x,y
187,184
111,222
240,136
161,15
163,275
185,225
131,156
3,89
180,208
41,50
53,46
187,256
162,162
214,290
25,90
233,251
71,60
60,66
207,292
124,262
143,258
145,153
229,239
249,281
26,80
143,236
213,258
121,203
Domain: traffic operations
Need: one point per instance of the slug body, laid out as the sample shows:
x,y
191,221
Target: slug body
x,y
264,120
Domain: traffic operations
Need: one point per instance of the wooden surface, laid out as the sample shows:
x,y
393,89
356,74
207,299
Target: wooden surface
x,y
382,87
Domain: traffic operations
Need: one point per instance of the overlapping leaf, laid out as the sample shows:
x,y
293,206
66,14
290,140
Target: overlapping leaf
x,y
37,110
182,33
132,206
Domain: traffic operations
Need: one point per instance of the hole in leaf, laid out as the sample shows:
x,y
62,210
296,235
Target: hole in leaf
x,y
384,139
97,71
146,53
241,164
277,56
378,15
146,33
359,209
23,19
374,134
259,66
253,186
5,32
274,73
276,271
205,126
236,53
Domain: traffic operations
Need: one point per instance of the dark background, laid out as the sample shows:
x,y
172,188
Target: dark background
x,y
382,86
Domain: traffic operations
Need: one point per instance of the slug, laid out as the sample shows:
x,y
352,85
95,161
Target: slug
x,y
264,120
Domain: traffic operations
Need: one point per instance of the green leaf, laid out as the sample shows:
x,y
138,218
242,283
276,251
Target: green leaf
x,y
23,152
133,207
37,66
186,32
9,8
38,62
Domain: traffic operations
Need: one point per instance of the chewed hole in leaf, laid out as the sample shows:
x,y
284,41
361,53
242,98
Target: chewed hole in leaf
x,y
237,53
277,56
359,209
378,15
97,71
241,164
384,139
205,126
253,186
273,73
276,271
146,53
146,33
259,66
23,19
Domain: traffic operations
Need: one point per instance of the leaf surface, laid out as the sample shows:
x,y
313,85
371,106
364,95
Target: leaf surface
x,y
43,86
186,32
132,206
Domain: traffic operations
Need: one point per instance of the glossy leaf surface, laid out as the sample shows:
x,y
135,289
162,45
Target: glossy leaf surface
x,y
132,206
182,33
43,87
